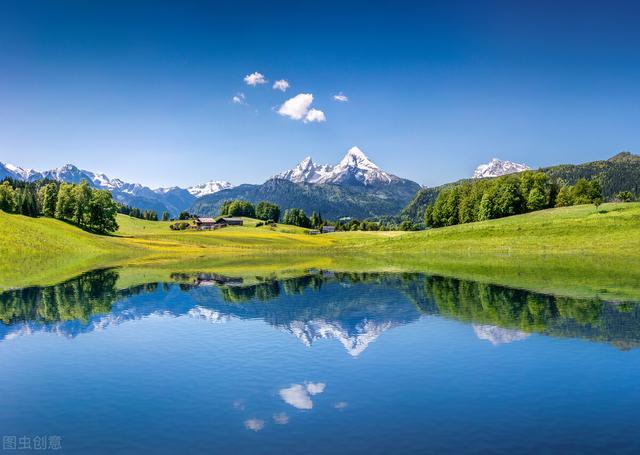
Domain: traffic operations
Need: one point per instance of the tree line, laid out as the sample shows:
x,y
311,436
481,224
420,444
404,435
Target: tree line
x,y
508,195
271,213
88,208
134,212
265,211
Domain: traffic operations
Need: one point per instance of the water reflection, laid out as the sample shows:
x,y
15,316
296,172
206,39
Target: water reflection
x,y
352,308
299,395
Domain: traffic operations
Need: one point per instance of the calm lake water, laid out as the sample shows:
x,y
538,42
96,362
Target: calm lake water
x,y
323,363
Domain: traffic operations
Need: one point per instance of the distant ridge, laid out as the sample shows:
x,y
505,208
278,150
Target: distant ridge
x,y
172,200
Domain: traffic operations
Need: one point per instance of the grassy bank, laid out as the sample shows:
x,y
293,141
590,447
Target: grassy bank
x,y
573,250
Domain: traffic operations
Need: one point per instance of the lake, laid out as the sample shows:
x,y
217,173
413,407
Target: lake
x,y
318,363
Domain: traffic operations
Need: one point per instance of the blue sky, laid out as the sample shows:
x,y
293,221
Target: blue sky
x,y
143,90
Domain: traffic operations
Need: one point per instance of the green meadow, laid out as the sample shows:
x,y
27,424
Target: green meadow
x,y
576,251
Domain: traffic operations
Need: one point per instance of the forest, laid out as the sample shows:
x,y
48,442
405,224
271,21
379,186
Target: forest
x,y
514,194
88,208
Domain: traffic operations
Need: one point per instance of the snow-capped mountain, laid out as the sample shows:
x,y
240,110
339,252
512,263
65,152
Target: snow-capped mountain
x,y
497,335
355,167
16,172
496,168
354,339
172,200
210,187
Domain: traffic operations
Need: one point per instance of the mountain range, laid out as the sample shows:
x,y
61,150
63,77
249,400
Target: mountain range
x,y
354,187
172,200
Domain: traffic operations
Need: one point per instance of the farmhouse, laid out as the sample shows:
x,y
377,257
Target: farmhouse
x,y
205,223
202,223
230,221
327,229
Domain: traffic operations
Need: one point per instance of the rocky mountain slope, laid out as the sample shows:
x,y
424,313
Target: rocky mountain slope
x,y
355,187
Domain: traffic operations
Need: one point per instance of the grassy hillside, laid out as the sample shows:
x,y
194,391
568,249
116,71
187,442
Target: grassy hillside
x,y
572,250
44,249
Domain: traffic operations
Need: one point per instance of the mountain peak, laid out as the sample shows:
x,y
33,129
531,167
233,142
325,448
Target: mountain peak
x,y
305,162
355,167
497,167
210,187
355,157
357,153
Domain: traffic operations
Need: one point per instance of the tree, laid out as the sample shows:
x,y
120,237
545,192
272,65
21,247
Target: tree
x,y
407,225
624,196
150,215
296,217
102,212
584,191
81,196
487,206
267,211
315,220
509,200
536,200
565,196
49,198
7,201
25,202
65,204
184,216
597,202
165,216
238,208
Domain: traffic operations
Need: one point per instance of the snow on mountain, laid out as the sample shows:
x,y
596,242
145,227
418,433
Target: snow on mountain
x,y
496,168
17,172
72,174
306,172
210,187
354,341
497,335
355,167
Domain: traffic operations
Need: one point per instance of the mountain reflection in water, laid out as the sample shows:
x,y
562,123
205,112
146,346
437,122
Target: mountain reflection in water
x,y
352,308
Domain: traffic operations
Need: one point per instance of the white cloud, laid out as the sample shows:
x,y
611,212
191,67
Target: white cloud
x,y
239,99
254,424
296,107
299,108
315,388
315,115
281,418
281,85
341,98
299,395
254,79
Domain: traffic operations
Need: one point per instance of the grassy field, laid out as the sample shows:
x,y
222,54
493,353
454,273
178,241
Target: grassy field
x,y
573,251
